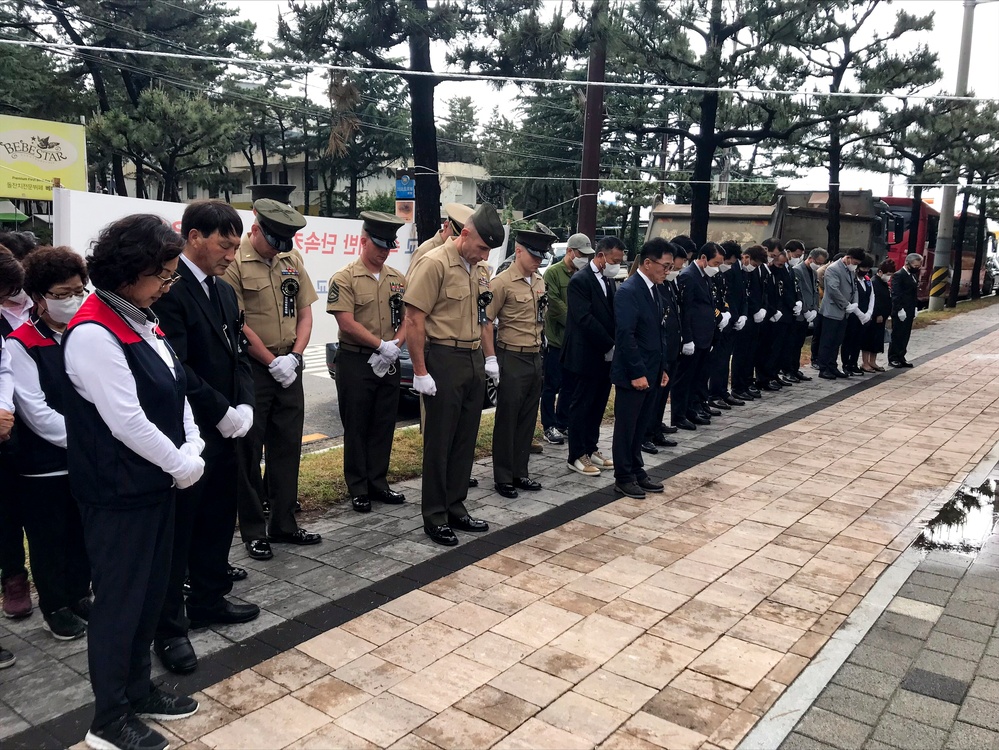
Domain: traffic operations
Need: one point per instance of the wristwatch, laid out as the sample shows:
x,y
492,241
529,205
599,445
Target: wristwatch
x,y
298,356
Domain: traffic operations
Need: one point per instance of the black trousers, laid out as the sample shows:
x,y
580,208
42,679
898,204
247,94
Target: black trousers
x,y
816,338
129,551
451,429
633,411
744,356
764,349
719,362
833,331
589,399
204,523
278,418
11,524
768,365
369,406
556,393
900,333
796,335
517,401
689,371
658,418
850,350
59,565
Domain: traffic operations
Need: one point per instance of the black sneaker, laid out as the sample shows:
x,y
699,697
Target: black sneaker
x,y
64,625
82,608
554,436
126,733
160,705
7,659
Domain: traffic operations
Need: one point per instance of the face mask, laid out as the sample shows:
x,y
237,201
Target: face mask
x,y
748,268
20,301
914,271
671,276
579,263
710,270
725,267
795,262
63,310
611,270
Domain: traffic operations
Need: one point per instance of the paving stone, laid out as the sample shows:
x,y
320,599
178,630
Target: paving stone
x,y
852,703
867,681
974,613
931,580
973,631
980,712
906,733
944,664
969,737
922,708
935,685
955,646
841,732
903,624
798,741
896,643
925,594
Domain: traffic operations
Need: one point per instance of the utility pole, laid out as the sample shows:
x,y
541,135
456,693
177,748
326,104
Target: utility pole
x,y
589,183
945,233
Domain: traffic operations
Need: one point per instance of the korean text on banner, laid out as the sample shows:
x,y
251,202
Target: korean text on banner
x,y
33,152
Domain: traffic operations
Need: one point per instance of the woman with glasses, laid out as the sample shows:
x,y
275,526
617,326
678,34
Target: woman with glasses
x,y
132,441
55,279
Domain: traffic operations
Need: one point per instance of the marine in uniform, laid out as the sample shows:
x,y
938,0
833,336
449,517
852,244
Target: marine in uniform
x,y
275,292
446,302
457,215
518,305
366,298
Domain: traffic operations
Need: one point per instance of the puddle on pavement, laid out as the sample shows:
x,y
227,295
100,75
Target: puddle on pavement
x,y
965,521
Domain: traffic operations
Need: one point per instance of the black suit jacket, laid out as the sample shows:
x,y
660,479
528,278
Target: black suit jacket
x,y
736,291
640,337
671,320
589,322
903,293
785,290
755,296
697,307
211,350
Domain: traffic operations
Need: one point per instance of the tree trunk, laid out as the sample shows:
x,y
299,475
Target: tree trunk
x,y
424,132
962,228
589,184
833,206
352,196
976,272
706,143
140,180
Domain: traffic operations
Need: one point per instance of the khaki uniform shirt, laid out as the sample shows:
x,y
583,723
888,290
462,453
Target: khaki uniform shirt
x,y
354,289
434,242
516,304
448,294
258,289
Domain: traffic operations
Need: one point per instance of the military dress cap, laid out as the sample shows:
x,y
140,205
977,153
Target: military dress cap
x,y
581,243
381,227
537,240
457,214
279,222
488,224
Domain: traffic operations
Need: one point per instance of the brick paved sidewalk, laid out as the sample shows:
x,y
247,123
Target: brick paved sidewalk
x,y
675,622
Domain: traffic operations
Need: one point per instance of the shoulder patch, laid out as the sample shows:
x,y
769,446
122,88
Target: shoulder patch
x,y
334,293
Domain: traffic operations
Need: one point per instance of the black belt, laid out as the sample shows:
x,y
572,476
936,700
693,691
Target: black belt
x,y
357,349
280,351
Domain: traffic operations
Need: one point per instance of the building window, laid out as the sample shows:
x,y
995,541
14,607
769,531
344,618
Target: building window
x,y
266,178
213,191
312,179
283,177
237,187
192,191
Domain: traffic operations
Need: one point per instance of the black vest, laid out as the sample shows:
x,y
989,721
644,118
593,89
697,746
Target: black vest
x,y
35,454
103,471
8,448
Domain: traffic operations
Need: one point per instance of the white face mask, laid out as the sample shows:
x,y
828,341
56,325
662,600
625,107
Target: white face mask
x,y
710,270
795,261
725,267
63,310
748,268
671,276
579,263
20,301
611,270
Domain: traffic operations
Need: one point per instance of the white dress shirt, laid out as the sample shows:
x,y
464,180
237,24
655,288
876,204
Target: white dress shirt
x,y
6,380
200,275
98,369
30,400
600,277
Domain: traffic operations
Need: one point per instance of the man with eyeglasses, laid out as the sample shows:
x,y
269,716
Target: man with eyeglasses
x,y
275,292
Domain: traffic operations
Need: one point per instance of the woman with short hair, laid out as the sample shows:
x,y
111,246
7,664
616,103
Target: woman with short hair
x,y
132,442
874,332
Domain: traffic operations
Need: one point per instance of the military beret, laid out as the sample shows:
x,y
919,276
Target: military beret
x,y
279,222
537,240
381,227
487,223
457,214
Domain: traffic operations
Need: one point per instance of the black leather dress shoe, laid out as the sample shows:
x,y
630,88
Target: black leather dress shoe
x,y
793,377
259,549
669,429
686,424
441,534
467,523
698,419
754,392
361,503
630,489
473,482
744,396
661,441
236,574
711,411
904,363
784,380
526,483
735,401
389,497
225,613
177,654
802,376
649,447
649,485
840,374
299,536
717,403
773,386
825,375
507,490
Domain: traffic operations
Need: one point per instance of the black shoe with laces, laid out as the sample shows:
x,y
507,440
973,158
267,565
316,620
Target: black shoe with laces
x,y
7,659
64,625
160,705
125,733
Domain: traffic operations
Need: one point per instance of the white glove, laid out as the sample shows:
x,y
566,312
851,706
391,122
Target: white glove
x,y
865,319
725,318
191,472
759,316
424,385
797,308
811,315
230,424
740,323
901,315
775,318
284,370
191,450
688,348
390,350
245,412
492,369
852,307
380,364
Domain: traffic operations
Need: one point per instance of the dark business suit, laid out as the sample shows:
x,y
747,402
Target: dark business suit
x,y
765,343
671,327
697,326
744,353
736,303
208,341
639,351
903,297
589,336
786,296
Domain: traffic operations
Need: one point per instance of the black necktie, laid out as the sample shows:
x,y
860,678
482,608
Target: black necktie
x,y
213,295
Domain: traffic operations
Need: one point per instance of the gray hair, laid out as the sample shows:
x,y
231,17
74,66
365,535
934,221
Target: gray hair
x,y
912,257
819,254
